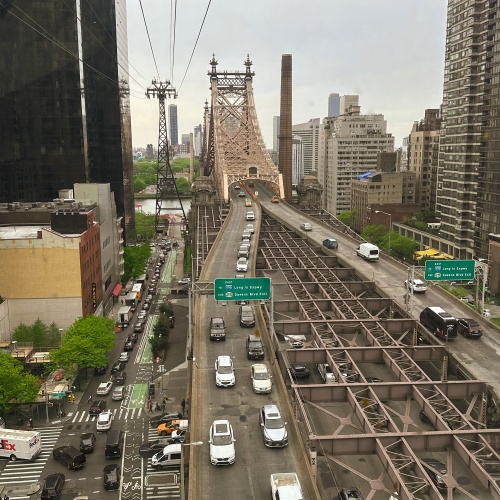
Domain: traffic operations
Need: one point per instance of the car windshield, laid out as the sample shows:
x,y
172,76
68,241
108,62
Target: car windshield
x,y
254,345
225,369
247,314
274,423
221,440
261,376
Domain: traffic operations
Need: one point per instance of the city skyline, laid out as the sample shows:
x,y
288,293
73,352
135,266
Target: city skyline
x,y
398,75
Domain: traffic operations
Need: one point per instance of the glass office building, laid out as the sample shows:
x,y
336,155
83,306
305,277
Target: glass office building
x,y
64,100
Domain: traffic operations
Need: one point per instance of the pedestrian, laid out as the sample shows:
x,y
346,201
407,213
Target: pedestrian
x,y
164,404
30,423
90,399
150,407
183,406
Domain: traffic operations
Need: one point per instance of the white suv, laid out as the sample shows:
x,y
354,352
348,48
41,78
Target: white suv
x,y
242,265
250,216
418,286
221,441
224,372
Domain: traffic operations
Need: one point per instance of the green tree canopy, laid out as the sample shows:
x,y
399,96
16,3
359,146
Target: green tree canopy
x,y
346,217
183,185
139,184
99,330
144,225
374,234
38,334
135,259
16,386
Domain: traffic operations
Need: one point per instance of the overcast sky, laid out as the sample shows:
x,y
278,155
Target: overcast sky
x,y
389,52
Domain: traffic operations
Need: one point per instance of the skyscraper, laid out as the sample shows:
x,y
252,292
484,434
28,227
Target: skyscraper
x,y
333,105
468,194
64,108
173,124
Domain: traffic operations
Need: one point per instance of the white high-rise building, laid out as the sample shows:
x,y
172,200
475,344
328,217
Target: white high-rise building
x,y
309,133
352,143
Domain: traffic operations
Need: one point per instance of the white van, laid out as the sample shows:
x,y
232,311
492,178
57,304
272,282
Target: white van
x,y
368,251
170,456
326,373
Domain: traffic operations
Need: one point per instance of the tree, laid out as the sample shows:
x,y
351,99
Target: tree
x,y
183,185
158,345
38,334
374,234
162,327
347,216
144,225
84,345
16,385
139,185
135,259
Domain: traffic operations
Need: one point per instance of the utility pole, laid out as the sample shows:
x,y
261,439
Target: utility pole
x,y
165,179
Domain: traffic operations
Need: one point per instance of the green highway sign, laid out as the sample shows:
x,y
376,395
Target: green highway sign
x,y
242,288
449,270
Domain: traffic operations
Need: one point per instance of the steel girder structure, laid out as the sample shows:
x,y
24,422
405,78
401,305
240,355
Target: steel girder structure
x,y
239,152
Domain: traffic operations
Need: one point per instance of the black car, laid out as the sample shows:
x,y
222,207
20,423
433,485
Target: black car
x,y
350,494
119,366
52,486
469,327
128,346
163,419
111,475
150,448
132,338
97,407
299,371
436,478
87,442
101,370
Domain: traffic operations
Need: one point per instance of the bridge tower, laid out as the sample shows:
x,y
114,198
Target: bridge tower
x,y
165,179
235,149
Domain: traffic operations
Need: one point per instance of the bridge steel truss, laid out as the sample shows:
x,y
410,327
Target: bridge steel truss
x,y
235,150
347,324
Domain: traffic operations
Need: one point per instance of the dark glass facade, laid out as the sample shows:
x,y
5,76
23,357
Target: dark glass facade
x,y
64,121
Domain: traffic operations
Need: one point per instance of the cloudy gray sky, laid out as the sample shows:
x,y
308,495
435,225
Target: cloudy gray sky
x,y
390,52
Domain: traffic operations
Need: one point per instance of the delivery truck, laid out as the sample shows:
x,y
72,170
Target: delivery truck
x,y
124,316
16,444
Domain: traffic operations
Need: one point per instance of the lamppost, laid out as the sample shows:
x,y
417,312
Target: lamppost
x,y
390,226
196,443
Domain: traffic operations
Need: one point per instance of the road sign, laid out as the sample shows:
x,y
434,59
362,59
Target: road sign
x,y
449,270
242,288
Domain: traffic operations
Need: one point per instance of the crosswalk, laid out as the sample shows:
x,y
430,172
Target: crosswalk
x,y
122,413
23,472
160,491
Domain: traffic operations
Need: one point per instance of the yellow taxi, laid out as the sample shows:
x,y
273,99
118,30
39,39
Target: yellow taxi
x,y
275,199
248,203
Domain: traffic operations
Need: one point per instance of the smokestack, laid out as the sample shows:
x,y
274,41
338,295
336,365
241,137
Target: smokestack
x,y
285,134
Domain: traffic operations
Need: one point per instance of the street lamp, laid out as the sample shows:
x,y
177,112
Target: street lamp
x,y
196,443
390,226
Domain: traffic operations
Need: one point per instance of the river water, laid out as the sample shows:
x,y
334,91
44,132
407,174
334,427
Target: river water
x,y
171,206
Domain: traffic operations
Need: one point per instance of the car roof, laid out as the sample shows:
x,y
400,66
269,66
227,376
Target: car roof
x,y
260,367
224,360
271,411
221,427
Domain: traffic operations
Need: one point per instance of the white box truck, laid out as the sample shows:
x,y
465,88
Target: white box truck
x,y
16,444
286,486
368,251
124,316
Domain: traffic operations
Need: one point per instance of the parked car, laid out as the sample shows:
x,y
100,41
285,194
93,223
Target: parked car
x,y
97,407
149,448
299,371
261,379
222,450
139,327
305,226
52,486
87,442
101,370
166,417
132,338
104,421
273,427
184,281
469,327
112,476
104,388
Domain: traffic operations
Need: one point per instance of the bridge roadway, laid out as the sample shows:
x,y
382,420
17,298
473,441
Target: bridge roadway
x,y
249,478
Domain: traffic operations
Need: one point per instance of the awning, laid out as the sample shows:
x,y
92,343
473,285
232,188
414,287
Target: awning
x,y
117,289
